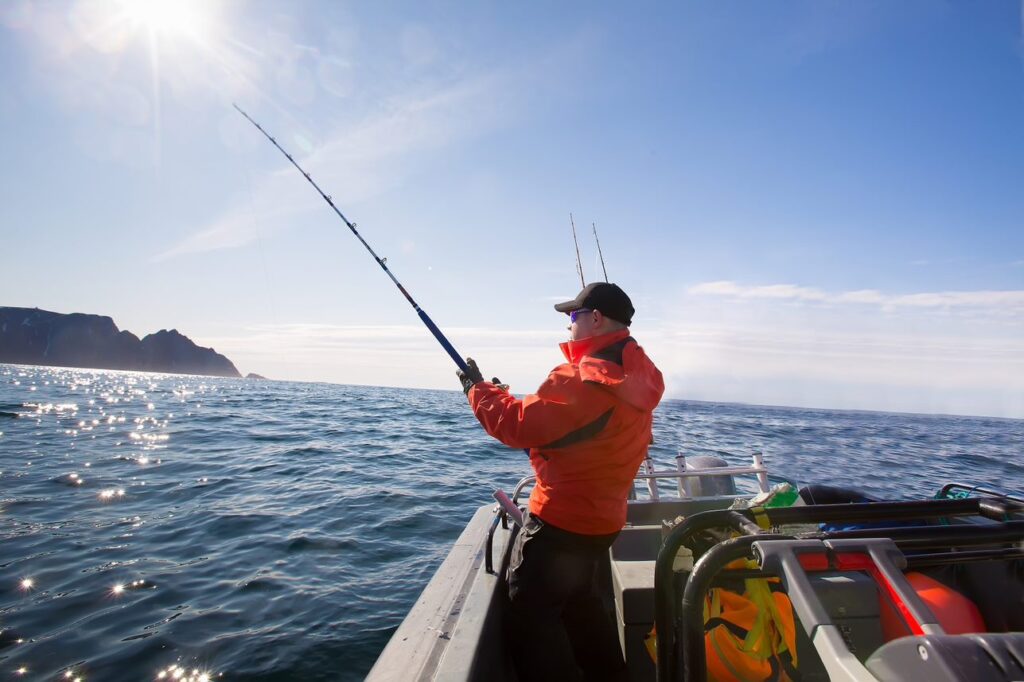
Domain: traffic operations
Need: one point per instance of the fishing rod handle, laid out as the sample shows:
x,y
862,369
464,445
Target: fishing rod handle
x,y
443,340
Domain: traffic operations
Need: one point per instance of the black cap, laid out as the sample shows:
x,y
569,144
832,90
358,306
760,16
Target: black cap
x,y
608,298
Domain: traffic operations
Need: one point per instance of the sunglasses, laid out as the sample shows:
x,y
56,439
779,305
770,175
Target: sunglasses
x,y
576,313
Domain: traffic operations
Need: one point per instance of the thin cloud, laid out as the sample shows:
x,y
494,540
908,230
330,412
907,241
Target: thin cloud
x,y
1012,300
893,366
376,153
364,160
305,337
388,355
370,331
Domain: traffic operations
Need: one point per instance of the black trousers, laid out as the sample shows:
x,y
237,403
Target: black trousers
x,y
558,627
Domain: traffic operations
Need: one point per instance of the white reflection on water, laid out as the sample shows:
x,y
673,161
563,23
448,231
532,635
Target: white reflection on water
x,y
176,672
120,588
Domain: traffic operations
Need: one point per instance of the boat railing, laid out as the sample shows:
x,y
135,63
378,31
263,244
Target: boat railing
x,y
508,505
509,508
681,473
650,476
961,490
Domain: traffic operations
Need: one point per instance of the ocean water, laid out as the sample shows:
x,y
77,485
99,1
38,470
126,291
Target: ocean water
x,y
272,530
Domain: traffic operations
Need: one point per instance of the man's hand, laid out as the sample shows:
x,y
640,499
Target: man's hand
x,y
471,376
497,382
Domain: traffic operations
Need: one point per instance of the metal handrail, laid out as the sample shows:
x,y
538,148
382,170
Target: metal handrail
x,y
519,487
978,489
718,471
501,515
757,468
505,509
680,473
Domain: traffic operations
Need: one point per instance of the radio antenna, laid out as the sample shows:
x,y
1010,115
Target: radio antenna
x,y
601,255
579,265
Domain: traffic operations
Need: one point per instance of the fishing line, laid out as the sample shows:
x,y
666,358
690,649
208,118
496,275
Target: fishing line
x,y
445,343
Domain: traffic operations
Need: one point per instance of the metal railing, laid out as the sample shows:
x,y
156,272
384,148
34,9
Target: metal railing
x,y
680,473
507,503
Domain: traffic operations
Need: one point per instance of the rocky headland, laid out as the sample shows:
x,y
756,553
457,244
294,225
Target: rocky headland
x,y
30,336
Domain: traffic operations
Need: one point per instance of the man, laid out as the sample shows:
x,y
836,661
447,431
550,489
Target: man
x,y
587,428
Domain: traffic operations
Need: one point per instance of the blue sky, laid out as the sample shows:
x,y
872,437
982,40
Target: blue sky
x,y
811,203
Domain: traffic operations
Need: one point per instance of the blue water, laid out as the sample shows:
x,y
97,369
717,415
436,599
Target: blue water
x,y
275,530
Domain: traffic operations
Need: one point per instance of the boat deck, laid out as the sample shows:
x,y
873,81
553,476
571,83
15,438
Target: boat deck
x,y
454,631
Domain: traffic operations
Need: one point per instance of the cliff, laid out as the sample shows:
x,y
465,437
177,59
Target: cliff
x,y
30,336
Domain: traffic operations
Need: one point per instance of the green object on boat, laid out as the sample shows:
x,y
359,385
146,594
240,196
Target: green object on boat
x,y
783,495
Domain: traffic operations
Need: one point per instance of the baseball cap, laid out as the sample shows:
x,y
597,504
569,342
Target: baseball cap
x,y
604,296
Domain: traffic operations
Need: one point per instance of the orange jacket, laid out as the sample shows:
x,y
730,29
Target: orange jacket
x,y
587,427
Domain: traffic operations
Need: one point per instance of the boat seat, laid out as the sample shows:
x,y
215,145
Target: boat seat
x,y
633,583
632,566
633,589
632,560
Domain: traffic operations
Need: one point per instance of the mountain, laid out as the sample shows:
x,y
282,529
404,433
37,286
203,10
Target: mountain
x,y
30,336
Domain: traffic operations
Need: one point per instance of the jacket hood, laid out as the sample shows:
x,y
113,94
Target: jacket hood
x,y
635,380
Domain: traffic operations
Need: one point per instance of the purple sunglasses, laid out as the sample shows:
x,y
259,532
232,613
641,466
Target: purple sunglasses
x,y
576,313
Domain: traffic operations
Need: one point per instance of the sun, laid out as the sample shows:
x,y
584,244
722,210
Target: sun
x,y
181,17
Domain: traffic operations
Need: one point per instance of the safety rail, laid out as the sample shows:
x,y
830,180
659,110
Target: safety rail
x,y
756,468
507,506
967,490
686,652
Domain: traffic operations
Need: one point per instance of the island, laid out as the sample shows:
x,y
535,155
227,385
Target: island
x,y
30,336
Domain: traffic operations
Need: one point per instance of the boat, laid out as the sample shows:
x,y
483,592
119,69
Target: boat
x,y
879,590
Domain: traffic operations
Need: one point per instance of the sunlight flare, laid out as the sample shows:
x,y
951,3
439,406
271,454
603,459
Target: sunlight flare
x,y
182,17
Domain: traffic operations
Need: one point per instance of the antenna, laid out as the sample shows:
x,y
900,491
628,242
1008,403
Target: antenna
x,y
579,265
599,252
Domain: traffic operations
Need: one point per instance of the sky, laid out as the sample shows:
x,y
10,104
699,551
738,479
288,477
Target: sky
x,y
811,204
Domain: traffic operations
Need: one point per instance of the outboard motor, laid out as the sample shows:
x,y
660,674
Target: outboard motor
x,y
710,484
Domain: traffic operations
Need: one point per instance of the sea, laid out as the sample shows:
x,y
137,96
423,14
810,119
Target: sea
x,y
194,528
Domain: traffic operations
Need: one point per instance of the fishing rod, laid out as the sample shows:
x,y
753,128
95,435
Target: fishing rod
x,y
445,343
579,264
601,255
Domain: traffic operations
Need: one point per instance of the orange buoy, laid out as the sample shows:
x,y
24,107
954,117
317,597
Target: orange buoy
x,y
956,613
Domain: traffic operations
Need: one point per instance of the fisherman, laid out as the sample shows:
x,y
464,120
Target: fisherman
x,y
587,429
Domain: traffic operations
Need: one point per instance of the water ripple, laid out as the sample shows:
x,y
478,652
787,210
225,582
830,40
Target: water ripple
x,y
282,530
